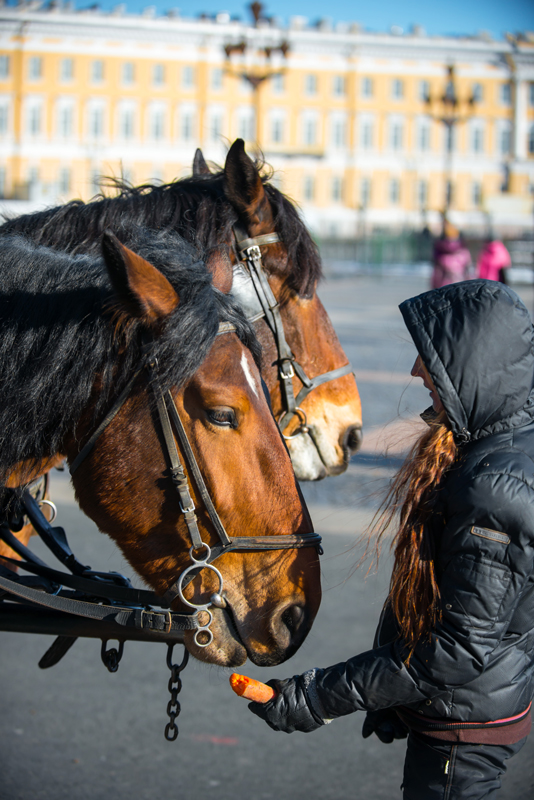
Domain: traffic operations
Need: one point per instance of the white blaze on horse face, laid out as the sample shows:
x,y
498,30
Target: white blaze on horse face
x,y
248,373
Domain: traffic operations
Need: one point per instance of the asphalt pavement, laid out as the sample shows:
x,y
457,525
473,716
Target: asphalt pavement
x,y
77,732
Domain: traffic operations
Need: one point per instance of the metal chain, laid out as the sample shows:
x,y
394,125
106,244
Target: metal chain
x,y
175,687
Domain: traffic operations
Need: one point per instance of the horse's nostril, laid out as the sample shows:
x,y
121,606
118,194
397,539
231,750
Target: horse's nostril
x,y
293,617
353,438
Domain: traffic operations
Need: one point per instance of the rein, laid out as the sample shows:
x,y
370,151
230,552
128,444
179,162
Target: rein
x,y
252,289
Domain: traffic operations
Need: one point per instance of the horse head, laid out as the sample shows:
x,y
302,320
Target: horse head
x,y
126,486
326,429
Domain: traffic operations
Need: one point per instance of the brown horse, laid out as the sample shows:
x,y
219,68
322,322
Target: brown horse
x,y
225,207
73,332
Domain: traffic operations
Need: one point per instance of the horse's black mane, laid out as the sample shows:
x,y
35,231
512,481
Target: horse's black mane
x,y
58,331
196,208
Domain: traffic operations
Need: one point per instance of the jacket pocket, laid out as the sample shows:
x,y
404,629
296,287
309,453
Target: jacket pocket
x,y
474,589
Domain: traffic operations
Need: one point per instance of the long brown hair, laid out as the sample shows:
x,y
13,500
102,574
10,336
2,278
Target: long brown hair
x,y
413,591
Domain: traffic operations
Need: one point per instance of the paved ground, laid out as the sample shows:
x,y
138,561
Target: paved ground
x,y
76,732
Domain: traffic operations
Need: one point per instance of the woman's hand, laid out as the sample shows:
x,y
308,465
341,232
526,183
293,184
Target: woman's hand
x,y
290,710
387,725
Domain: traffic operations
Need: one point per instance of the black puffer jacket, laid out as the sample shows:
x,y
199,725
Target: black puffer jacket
x,y
476,340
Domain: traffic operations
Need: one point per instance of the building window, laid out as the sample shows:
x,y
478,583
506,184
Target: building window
x,y
216,126
423,137
127,123
66,69
424,91
397,89
531,140
158,75
366,135
277,129
217,79
422,194
278,83
476,194
97,71
339,88
477,92
4,117
365,192
3,181
339,134
4,67
128,73
367,87
309,188
33,176
96,122
394,191
506,94
157,124
35,68
34,120
505,141
65,121
477,140
245,126
188,78
396,135
337,189
64,180
310,84
187,124
309,131
95,180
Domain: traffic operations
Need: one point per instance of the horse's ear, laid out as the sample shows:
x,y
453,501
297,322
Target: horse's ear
x,y
219,264
142,289
200,166
244,188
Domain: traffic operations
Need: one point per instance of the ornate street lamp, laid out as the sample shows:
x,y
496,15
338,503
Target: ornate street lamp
x,y
263,70
449,109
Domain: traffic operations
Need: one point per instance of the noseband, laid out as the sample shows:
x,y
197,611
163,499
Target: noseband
x,y
252,290
201,554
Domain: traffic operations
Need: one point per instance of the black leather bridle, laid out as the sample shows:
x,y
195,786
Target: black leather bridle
x,y
252,290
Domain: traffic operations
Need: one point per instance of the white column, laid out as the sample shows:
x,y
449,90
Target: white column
x,y
520,119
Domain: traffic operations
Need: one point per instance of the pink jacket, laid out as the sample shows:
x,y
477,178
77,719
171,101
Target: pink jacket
x,y
491,260
451,262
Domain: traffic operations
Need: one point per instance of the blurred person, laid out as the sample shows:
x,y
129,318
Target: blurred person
x,y
452,662
451,259
493,261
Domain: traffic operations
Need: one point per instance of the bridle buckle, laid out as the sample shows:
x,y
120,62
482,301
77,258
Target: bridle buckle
x,y
286,376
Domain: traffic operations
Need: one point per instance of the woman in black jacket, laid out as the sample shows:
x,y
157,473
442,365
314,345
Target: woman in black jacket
x,y
453,658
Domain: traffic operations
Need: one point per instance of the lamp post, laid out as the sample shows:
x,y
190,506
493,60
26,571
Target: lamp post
x,y
263,70
449,109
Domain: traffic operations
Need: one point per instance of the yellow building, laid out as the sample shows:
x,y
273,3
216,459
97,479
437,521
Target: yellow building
x,y
344,118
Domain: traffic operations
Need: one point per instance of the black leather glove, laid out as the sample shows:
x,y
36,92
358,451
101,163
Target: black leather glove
x,y
291,709
386,724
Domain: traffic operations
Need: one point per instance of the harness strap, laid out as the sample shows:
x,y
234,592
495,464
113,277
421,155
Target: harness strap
x,y
312,383
249,251
193,466
164,621
179,478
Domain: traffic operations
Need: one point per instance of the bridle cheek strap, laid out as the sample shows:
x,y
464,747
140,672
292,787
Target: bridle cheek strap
x,y
250,254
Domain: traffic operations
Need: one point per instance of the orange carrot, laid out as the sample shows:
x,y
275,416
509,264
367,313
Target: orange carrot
x,y
251,689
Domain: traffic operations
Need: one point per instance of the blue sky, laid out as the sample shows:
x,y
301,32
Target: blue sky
x,y
444,17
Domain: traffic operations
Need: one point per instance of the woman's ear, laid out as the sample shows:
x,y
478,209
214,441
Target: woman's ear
x,y
143,291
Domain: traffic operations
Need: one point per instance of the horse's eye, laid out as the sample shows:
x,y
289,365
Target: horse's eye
x,y
223,417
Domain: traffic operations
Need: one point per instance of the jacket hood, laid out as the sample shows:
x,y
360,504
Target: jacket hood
x,y
475,339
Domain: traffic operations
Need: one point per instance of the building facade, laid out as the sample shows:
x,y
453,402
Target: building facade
x,y
343,117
